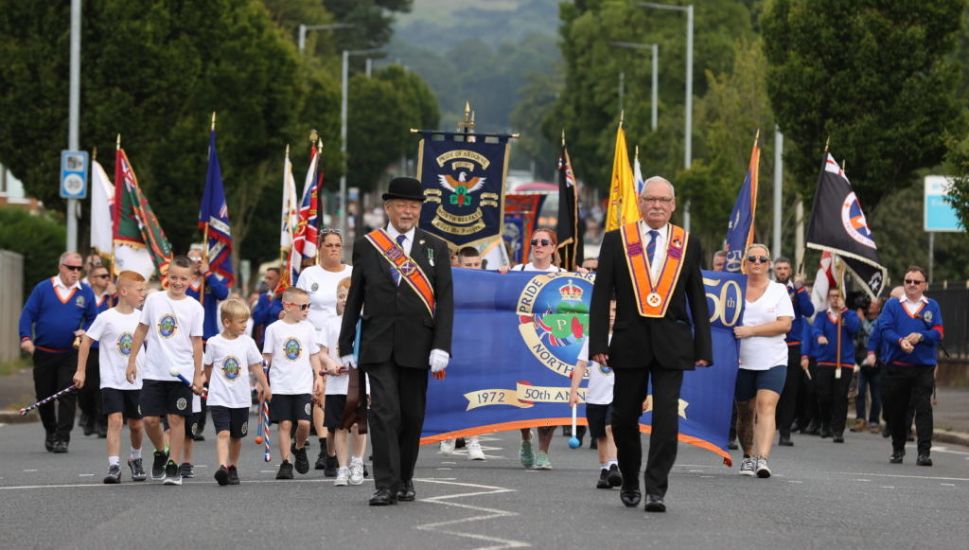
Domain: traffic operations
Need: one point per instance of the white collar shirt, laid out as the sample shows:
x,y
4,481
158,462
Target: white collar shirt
x,y
659,255
408,240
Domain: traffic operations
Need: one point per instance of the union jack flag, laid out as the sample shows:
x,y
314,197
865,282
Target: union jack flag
x,y
307,232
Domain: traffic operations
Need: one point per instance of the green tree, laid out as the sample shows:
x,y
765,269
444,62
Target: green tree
x,y
39,239
871,75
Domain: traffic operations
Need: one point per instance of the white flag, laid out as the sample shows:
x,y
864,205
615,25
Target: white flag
x,y
290,211
133,258
638,174
102,205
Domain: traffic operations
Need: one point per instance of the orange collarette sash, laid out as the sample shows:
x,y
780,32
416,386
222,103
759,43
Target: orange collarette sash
x,y
405,266
653,297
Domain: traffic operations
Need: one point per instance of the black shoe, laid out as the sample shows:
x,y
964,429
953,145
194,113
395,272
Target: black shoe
x,y
137,470
812,428
285,471
173,475
593,444
114,474
331,465
88,426
885,433
796,427
825,432
233,475
186,470
302,462
366,473
838,438
158,466
222,476
460,443
631,497
785,441
406,492
924,460
655,504
321,460
732,445
896,457
49,442
615,477
383,497
102,430
60,447
603,482
198,437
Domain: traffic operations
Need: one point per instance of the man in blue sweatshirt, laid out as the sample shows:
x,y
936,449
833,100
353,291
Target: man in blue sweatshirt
x,y
57,311
803,310
911,327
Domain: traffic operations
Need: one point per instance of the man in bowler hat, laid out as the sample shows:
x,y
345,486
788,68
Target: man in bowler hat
x,y
401,290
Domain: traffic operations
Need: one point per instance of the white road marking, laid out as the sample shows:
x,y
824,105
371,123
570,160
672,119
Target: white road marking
x,y
448,462
902,476
484,514
794,481
705,477
85,475
696,471
445,469
201,465
888,486
946,450
864,480
30,471
948,484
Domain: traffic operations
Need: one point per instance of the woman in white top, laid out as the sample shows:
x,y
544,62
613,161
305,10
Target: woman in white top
x,y
321,282
768,314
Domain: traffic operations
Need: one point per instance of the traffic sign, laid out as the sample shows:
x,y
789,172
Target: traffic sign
x,y
940,215
74,170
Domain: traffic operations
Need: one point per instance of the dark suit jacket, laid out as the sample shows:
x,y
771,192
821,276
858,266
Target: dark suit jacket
x,y
637,340
396,324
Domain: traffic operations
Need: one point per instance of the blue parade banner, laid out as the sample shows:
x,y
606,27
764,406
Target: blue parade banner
x,y
516,340
463,176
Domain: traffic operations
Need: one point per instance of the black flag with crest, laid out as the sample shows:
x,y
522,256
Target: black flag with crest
x,y
568,231
838,225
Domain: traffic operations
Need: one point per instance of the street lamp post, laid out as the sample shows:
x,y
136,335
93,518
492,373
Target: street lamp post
x,y
344,99
655,82
74,113
688,140
303,29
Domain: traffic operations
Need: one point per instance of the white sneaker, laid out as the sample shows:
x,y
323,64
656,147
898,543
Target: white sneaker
x,y
474,450
763,471
447,447
747,467
342,476
356,473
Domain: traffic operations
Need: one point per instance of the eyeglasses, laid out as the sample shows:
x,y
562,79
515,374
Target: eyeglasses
x,y
104,276
913,282
73,267
661,200
542,242
758,259
302,307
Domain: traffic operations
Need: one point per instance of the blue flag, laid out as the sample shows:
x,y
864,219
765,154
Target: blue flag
x,y
740,228
517,338
214,215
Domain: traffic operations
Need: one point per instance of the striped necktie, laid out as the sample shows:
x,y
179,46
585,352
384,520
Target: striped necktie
x,y
394,272
651,247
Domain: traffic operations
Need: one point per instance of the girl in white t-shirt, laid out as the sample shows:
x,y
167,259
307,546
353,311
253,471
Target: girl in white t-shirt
x,y
767,318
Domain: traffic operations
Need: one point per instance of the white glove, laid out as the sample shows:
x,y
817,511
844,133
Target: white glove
x,y
438,360
348,362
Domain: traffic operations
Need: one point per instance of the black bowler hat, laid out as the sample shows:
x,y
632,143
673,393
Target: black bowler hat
x,y
404,188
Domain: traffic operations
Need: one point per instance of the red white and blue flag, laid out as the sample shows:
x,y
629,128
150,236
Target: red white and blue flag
x,y
307,232
214,216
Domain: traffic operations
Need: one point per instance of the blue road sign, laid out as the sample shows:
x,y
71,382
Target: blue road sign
x,y
940,215
74,170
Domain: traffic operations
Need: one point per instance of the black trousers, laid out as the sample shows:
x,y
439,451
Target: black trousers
x,y
832,397
398,401
903,385
52,373
787,406
629,392
89,397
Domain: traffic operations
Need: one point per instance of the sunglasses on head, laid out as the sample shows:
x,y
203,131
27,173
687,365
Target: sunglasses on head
x,y
73,267
758,259
543,242
913,282
329,231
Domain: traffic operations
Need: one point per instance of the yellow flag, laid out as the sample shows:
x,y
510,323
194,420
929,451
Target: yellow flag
x,y
623,207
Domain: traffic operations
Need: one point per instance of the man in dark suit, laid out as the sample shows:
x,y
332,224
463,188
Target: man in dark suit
x,y
653,269
402,282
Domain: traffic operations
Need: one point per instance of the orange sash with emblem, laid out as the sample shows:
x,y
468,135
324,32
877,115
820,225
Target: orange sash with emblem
x,y
653,297
405,266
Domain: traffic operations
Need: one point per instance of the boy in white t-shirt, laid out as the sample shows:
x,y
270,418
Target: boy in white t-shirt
x,y
114,329
598,409
172,323
226,357
292,351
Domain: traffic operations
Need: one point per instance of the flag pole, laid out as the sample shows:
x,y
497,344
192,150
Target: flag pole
x,y
114,270
319,200
282,249
205,238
